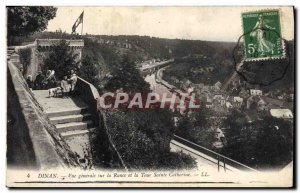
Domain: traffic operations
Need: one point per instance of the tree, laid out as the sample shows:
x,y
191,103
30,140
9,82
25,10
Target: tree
x,y
89,71
61,59
195,128
274,143
143,139
126,76
265,143
23,21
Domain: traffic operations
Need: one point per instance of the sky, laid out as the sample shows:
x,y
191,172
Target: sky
x,y
197,23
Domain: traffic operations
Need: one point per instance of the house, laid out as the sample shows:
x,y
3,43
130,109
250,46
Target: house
x,y
228,105
219,134
208,105
209,98
255,92
262,105
190,90
243,93
215,88
199,86
249,102
218,84
220,98
186,82
238,101
205,89
207,101
280,97
281,113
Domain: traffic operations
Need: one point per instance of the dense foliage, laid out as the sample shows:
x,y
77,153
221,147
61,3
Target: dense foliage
x,y
262,144
61,59
143,139
126,76
195,128
199,68
90,70
23,21
25,58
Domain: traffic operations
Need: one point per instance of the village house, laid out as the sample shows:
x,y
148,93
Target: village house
x,y
237,101
199,86
243,93
207,100
262,105
220,98
281,113
218,84
255,92
250,102
208,105
228,105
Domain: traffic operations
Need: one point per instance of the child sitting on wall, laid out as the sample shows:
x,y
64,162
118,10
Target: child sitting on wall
x,y
66,87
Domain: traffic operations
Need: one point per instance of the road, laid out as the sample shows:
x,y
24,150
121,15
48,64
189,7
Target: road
x,y
203,161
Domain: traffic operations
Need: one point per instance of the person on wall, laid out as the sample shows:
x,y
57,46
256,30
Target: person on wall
x,y
72,80
66,87
39,81
50,79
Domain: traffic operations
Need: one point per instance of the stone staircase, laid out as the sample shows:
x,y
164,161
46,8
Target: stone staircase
x,y
71,118
72,122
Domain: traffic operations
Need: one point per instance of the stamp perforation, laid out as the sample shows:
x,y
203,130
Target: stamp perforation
x,y
282,43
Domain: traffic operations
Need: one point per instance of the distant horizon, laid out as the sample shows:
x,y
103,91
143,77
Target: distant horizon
x,y
188,23
145,36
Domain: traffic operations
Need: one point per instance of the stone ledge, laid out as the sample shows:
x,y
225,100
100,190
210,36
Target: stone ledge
x,y
53,42
49,149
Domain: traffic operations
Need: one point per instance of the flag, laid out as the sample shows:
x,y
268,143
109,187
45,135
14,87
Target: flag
x,y
77,22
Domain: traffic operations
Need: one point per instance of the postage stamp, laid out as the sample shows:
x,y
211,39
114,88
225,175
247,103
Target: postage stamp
x,y
262,35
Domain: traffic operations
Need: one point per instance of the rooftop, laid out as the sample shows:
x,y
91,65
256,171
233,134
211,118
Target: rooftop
x,y
282,113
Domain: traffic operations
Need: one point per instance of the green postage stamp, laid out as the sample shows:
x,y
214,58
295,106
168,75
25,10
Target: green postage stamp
x,y
262,35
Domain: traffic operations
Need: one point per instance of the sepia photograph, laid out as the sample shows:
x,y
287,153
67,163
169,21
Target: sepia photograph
x,y
150,96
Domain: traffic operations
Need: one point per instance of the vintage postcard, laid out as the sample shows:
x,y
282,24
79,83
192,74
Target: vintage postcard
x,y
150,96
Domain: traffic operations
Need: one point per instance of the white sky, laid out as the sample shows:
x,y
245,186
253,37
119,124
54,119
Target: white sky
x,y
204,23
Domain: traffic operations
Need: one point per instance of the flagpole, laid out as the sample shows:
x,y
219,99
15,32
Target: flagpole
x,y
82,24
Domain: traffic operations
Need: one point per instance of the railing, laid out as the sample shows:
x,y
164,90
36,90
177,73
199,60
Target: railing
x,y
90,96
214,155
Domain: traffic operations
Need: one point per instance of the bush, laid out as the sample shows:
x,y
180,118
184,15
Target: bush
x,y
143,139
262,144
25,58
61,59
195,128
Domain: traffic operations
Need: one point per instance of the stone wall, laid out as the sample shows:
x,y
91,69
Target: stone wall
x,y
90,95
39,49
32,141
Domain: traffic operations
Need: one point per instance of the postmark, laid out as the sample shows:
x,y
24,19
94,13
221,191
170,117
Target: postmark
x,y
262,35
261,55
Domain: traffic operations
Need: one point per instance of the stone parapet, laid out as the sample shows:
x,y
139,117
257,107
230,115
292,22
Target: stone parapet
x,y
39,145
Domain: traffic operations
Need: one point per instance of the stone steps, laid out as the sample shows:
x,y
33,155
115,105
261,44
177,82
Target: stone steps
x,y
66,112
74,126
70,118
77,132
